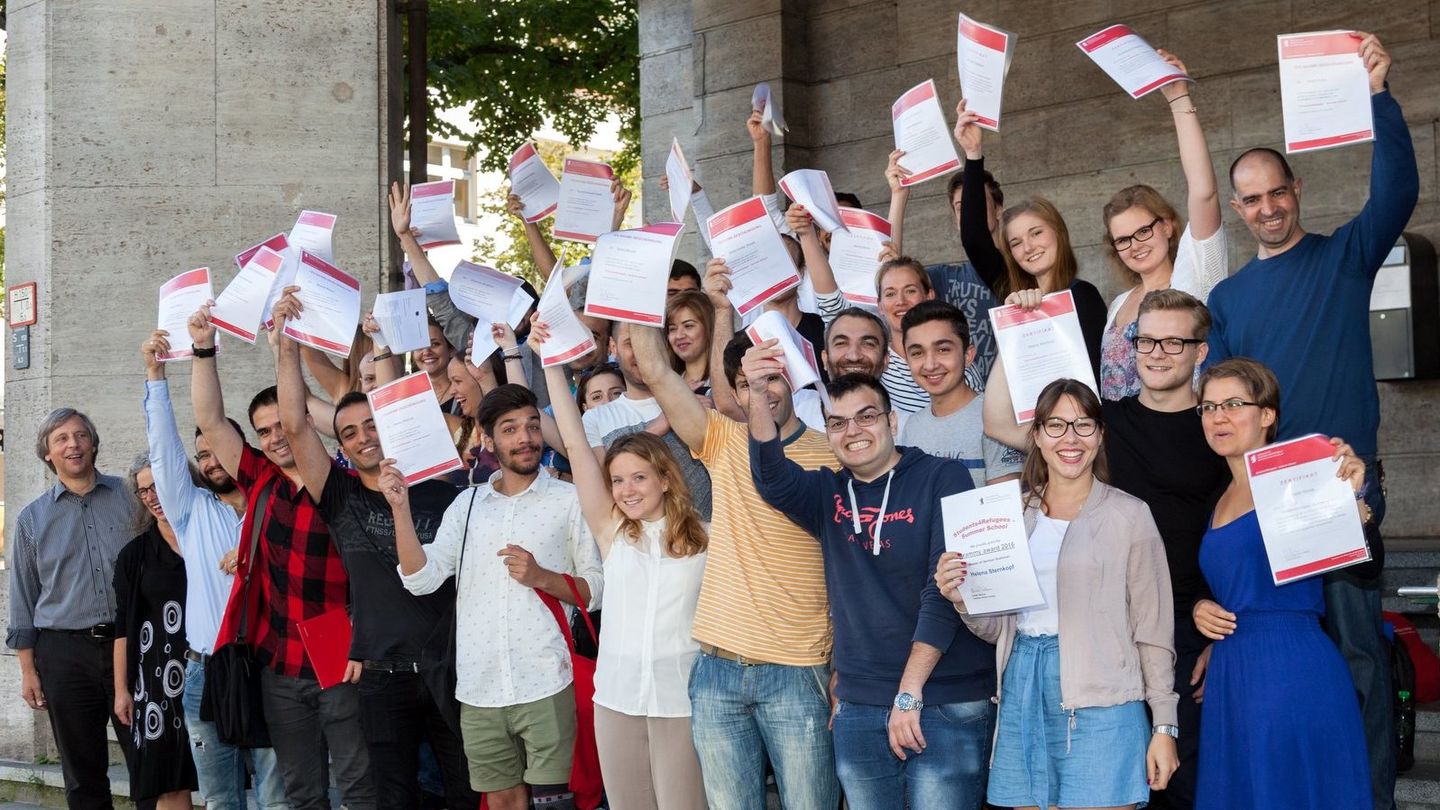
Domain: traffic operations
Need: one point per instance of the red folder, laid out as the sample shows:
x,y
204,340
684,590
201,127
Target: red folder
x,y
327,641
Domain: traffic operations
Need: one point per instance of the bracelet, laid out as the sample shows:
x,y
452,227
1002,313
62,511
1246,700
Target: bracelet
x,y
1177,98
208,351
385,355
508,356
1191,111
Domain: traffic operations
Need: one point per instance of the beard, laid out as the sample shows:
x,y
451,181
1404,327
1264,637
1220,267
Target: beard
x,y
224,486
509,461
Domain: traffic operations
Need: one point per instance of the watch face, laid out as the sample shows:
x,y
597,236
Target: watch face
x,y
905,701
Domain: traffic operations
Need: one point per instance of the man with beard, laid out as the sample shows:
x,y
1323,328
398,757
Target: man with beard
x,y
512,665
207,522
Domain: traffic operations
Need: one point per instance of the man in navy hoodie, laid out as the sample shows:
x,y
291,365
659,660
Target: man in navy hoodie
x,y
913,718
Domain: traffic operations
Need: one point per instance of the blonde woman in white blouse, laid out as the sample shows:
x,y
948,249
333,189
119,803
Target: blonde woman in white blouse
x,y
652,543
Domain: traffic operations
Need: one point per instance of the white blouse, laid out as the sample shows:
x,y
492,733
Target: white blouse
x,y
646,649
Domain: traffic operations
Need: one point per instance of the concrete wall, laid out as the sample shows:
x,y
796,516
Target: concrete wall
x,y
149,137
1069,133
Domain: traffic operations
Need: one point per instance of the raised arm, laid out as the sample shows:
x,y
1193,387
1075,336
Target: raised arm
x,y
762,172
817,261
1394,177
168,462
311,459
686,414
717,284
206,398
999,410
975,234
899,197
333,380
622,196
1202,194
540,250
781,482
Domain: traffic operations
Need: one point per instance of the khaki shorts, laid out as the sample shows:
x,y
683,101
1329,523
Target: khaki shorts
x,y
531,743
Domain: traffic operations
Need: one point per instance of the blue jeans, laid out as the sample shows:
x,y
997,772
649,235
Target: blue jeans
x,y
949,774
220,767
740,713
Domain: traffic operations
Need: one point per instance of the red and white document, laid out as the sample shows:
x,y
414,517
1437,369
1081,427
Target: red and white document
x,y
677,171
330,300
855,254
314,231
745,236
283,278
432,211
920,130
412,428
569,337
629,271
1308,517
532,182
179,298
240,309
489,296
402,317
1324,91
984,53
1040,346
1129,60
802,367
586,204
763,101
987,527
811,188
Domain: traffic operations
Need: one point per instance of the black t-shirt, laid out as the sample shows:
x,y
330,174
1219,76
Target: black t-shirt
x,y
391,624
1164,460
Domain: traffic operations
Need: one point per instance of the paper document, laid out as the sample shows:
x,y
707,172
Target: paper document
x,y
802,367
744,236
532,182
855,254
677,171
403,320
1039,347
284,278
983,53
986,526
432,210
920,130
412,428
1308,517
763,102
811,188
330,298
1129,60
1324,91
569,336
586,205
314,232
629,271
179,298
240,309
490,297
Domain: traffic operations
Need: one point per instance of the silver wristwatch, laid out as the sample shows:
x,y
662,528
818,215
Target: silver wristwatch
x,y
1170,731
907,702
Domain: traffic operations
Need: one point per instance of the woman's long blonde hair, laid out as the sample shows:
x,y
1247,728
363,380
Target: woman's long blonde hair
x,y
1065,269
1147,199
684,533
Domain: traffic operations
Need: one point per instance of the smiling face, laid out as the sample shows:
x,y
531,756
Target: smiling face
x,y
210,468
1269,204
854,344
637,489
686,334
516,442
434,358
71,449
937,356
1033,243
776,392
266,421
900,289
602,388
145,491
463,387
1149,246
1068,456
355,429
1159,371
1231,433
862,449
625,354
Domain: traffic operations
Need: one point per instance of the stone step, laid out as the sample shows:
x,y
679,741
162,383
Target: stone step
x,y
1419,788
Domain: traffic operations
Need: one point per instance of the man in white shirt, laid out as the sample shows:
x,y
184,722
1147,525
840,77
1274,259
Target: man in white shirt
x,y
513,674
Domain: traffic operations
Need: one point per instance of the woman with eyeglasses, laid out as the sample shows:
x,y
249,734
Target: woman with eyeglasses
x,y
1282,726
1077,673
1152,249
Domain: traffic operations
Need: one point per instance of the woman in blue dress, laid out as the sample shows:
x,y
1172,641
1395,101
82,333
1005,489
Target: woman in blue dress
x,y
1281,723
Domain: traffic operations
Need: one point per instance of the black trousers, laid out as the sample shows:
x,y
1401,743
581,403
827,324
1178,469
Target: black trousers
x,y
1180,794
397,713
76,675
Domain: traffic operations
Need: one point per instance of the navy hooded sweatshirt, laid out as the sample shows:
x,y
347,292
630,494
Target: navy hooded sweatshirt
x,y
881,602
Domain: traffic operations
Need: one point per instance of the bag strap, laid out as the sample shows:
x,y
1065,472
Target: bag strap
x,y
559,612
262,510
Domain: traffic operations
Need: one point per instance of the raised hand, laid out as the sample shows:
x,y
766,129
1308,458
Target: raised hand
x,y
1025,299
515,206
622,196
153,346
288,308
1174,90
758,133
1376,59
799,220
393,487
895,173
539,332
717,282
400,209
202,331
761,362
967,132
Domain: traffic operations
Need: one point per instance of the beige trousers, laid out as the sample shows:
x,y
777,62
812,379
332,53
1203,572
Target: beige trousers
x,y
648,763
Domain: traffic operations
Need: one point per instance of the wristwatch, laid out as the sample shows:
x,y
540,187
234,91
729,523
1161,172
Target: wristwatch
x,y
1170,731
907,702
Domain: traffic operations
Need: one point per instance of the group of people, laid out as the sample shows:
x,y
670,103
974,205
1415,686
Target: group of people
x,y
767,566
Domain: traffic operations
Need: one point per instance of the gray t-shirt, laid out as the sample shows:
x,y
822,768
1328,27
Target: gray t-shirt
x,y
961,436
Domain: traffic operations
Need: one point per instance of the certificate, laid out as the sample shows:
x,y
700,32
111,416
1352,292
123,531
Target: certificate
x,y
314,232
179,298
801,366
412,428
240,309
586,205
569,337
811,188
1309,518
628,274
855,254
1039,347
763,102
432,210
284,278
1324,91
920,130
1129,60
532,182
330,300
987,527
677,171
983,53
744,236
402,317
490,297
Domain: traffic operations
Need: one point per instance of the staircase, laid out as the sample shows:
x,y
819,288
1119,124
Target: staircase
x,y
1417,563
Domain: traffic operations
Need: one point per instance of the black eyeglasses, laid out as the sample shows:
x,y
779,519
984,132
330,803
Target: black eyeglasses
x,y
1174,345
1122,243
141,492
1055,427
864,419
1229,406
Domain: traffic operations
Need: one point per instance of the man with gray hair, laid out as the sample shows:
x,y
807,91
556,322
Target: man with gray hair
x,y
62,601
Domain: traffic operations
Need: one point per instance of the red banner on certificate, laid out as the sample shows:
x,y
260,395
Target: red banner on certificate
x,y
1308,516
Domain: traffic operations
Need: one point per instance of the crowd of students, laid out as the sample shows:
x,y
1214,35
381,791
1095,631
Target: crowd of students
x,y
768,569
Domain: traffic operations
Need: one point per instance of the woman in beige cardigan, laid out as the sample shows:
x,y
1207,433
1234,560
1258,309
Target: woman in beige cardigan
x,y
1076,673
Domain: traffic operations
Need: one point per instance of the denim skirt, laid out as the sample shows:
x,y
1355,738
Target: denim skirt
x,y
1047,755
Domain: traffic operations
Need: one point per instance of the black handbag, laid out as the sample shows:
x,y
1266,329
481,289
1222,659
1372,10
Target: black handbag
x,y
232,675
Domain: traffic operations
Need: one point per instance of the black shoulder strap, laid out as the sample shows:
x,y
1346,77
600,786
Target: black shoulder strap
x,y
262,510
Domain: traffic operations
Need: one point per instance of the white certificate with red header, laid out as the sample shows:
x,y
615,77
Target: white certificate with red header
x,y
986,526
240,309
983,53
1040,346
179,298
629,271
677,171
1308,516
801,366
314,231
745,236
432,211
330,302
412,429
569,337
1324,91
532,182
284,278
1129,60
587,207
490,297
855,254
811,188
920,130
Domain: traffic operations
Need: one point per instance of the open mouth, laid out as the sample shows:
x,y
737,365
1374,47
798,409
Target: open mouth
x,y
858,445
1070,455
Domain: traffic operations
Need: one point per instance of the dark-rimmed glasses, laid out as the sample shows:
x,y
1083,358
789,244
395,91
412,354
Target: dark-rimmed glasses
x,y
1171,345
1229,406
1055,427
864,419
1122,243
